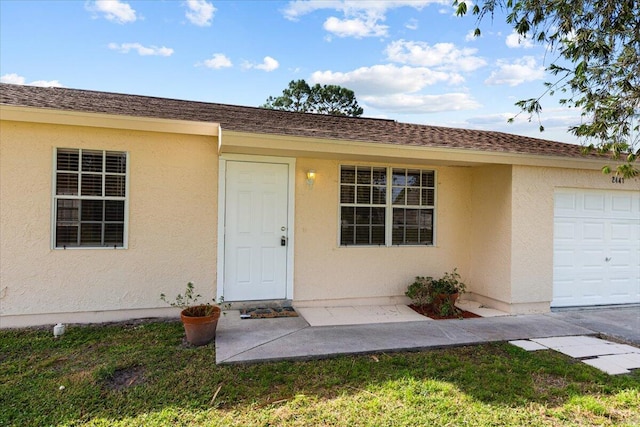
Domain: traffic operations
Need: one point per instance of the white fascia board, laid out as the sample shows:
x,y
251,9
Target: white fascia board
x,y
240,142
111,121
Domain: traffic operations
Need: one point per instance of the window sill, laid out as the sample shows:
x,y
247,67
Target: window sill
x,y
99,248
385,246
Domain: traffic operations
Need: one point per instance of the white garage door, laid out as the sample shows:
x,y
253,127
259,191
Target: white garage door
x,y
596,254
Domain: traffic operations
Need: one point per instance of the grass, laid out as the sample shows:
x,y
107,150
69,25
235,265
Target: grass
x,y
141,374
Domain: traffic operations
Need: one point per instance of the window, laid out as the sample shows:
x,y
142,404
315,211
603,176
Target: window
x,y
386,206
90,199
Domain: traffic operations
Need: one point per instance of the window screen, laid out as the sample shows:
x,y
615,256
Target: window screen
x,y
90,198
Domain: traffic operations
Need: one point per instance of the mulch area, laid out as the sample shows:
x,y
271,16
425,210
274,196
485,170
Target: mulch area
x,y
429,312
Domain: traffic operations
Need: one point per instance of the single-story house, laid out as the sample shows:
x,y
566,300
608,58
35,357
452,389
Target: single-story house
x,y
108,200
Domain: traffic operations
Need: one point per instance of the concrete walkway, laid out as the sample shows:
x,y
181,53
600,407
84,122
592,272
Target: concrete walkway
x,y
257,340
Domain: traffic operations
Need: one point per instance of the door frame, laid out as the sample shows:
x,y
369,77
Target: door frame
x,y
222,207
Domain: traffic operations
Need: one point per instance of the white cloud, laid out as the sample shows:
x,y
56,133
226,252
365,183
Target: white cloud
x,y
268,64
13,79
520,71
46,83
412,24
385,79
357,27
471,36
218,61
142,50
556,122
113,10
489,121
19,80
515,40
443,55
360,18
416,104
200,12
297,8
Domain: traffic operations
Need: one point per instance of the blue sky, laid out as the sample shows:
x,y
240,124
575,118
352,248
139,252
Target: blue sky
x,y
411,61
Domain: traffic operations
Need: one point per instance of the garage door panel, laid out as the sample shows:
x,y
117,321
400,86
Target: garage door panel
x,y
594,203
565,202
591,259
593,232
621,258
590,289
596,247
623,231
565,231
564,260
621,204
620,286
563,291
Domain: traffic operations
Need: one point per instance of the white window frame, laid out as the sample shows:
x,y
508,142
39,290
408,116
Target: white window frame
x,y
389,206
55,197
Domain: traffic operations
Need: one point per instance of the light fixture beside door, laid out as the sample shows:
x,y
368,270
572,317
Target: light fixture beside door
x,y
311,177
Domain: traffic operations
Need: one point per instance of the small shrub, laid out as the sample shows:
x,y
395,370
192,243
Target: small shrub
x,y
449,284
421,291
425,291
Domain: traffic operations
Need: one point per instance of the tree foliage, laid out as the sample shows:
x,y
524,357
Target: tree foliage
x,y
596,66
327,99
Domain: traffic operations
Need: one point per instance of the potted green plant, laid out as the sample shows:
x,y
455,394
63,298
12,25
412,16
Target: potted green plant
x,y
200,320
446,291
441,294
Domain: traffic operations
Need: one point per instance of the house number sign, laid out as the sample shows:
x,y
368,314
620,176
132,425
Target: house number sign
x,y
617,180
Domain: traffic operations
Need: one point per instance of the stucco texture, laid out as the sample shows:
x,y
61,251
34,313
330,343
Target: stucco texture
x,y
490,236
171,228
326,271
493,222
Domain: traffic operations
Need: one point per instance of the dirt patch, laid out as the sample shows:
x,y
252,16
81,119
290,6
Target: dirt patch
x,y
125,378
551,387
430,312
543,383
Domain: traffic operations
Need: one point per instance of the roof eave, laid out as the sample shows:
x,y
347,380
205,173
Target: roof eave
x,y
111,121
293,146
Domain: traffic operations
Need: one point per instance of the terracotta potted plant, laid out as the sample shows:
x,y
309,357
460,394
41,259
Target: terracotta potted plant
x,y
438,294
446,291
199,320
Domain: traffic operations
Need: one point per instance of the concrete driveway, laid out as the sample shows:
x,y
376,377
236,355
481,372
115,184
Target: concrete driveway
x,y
622,323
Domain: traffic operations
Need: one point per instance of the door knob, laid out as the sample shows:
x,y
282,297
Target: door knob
x,y
283,241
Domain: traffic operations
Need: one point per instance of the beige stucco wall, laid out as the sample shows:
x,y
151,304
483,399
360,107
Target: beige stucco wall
x,y
325,271
493,222
491,233
172,225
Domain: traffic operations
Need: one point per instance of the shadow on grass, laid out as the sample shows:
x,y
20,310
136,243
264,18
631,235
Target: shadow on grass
x,y
115,372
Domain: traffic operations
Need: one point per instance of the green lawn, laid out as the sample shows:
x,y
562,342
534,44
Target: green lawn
x,y
141,374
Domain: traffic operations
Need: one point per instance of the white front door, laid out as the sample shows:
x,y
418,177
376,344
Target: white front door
x,y
596,257
256,231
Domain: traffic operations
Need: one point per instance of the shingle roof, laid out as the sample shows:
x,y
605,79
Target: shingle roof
x,y
265,121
